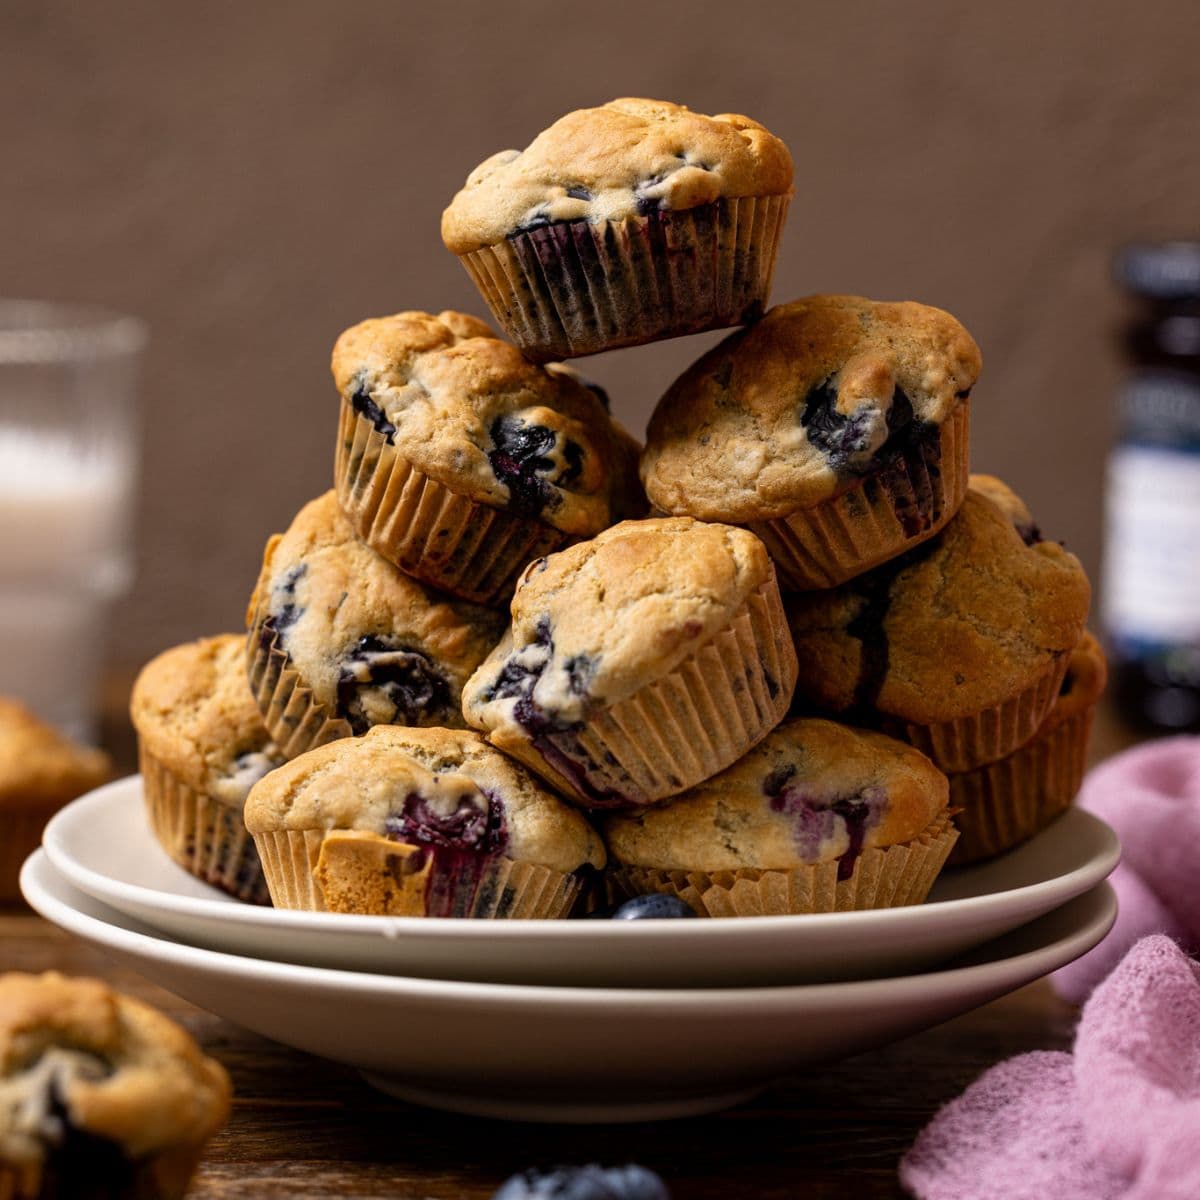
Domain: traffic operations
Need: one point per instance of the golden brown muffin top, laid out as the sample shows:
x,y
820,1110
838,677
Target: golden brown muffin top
x,y
438,787
780,414
811,792
39,767
595,622
961,624
1086,678
120,1069
193,711
626,158
372,643
470,412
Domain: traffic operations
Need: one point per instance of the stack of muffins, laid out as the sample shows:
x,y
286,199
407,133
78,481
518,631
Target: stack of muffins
x,y
489,675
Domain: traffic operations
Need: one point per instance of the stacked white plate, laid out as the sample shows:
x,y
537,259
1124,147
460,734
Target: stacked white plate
x,y
574,1020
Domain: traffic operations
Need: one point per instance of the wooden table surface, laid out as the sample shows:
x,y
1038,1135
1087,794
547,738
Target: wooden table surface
x,y
305,1127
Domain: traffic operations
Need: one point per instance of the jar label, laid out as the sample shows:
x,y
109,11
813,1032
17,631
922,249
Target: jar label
x,y
1152,546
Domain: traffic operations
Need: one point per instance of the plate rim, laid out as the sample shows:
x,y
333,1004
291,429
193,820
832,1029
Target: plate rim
x,y
330,979
389,928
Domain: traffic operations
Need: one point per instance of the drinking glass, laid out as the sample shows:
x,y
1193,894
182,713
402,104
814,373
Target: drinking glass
x,y
68,470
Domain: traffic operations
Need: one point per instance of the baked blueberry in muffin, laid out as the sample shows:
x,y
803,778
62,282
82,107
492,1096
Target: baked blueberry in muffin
x,y
638,663
459,461
341,640
419,822
835,429
101,1097
959,646
623,224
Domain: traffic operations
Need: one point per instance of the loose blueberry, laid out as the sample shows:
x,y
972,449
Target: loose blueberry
x,y
655,906
381,682
520,460
585,1183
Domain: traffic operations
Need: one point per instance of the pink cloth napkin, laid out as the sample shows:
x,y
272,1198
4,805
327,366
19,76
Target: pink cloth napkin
x,y
1120,1117
1151,796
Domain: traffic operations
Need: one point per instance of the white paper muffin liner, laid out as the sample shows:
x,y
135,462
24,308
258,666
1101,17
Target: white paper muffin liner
x,y
890,877
459,545
205,837
579,287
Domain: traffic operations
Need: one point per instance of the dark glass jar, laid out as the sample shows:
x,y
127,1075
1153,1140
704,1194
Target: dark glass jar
x,y
1152,538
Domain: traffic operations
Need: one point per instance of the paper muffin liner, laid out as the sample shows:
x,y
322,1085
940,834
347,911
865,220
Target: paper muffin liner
x,y
205,837
1005,803
359,872
984,737
295,720
22,826
161,1176
890,877
886,513
685,727
577,287
447,540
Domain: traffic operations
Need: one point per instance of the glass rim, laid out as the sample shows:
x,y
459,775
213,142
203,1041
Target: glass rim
x,y
44,332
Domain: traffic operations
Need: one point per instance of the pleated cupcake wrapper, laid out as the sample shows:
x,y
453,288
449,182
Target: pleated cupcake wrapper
x,y
295,720
885,514
205,837
1005,803
447,540
20,835
890,877
578,287
502,888
685,727
985,737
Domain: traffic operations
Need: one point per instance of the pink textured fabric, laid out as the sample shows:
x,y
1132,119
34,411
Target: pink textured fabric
x,y
1117,1120
1151,796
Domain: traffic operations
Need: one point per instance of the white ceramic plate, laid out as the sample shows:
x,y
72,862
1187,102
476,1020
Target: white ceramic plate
x,y
573,1053
103,846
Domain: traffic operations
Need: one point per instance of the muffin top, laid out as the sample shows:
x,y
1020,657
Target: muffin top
x,y
627,158
781,414
1083,685
595,622
960,624
193,710
812,791
39,767
427,787
119,1070
470,412
372,643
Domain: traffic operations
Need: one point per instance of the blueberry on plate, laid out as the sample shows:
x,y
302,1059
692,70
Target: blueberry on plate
x,y
584,1183
654,905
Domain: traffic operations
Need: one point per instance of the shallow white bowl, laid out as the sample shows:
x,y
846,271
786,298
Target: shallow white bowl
x,y
573,1053
102,845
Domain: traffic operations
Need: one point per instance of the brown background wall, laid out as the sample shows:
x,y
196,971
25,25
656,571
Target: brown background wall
x,y
252,177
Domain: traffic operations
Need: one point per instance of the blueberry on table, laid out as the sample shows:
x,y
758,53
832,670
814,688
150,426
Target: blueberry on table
x,y
585,1183
656,905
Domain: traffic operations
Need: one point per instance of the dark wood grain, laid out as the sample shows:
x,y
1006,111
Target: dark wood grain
x,y
302,1127
305,1127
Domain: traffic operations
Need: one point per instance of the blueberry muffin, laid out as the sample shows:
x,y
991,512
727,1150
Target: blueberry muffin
x,y
101,1097
201,744
624,224
1005,803
341,640
959,646
419,822
818,817
638,663
835,429
40,771
459,461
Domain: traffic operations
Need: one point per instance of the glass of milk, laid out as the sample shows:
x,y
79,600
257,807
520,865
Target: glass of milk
x,y
68,471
